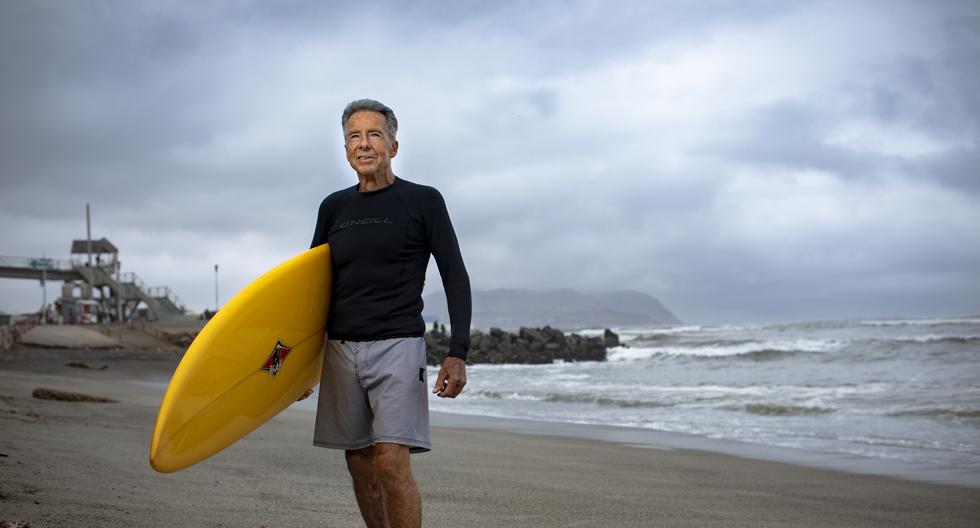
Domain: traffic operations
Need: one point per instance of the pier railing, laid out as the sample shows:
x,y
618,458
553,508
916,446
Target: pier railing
x,y
165,292
37,263
82,262
131,278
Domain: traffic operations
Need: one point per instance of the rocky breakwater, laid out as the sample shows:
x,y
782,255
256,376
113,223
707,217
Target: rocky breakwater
x,y
528,345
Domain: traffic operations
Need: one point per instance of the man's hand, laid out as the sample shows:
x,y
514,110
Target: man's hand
x,y
305,395
451,379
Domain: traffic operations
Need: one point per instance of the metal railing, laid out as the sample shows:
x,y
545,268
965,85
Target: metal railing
x,y
12,333
37,263
82,262
165,292
130,278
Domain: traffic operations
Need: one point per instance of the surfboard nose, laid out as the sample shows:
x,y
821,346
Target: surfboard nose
x,y
158,460
249,363
172,451
161,468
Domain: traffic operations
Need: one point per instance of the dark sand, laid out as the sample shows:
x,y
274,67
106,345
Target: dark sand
x,y
85,464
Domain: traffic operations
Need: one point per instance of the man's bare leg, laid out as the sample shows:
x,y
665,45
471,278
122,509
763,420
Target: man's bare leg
x,y
362,464
402,498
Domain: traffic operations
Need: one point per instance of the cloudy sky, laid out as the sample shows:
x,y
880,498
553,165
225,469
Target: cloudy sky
x,y
740,161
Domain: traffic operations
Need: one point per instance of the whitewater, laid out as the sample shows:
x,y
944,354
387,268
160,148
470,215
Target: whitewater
x,y
901,390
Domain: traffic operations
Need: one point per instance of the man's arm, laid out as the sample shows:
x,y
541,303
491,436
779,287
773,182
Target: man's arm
x,y
322,225
456,283
455,280
330,207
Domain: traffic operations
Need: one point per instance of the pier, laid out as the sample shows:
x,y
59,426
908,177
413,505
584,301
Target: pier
x,y
120,294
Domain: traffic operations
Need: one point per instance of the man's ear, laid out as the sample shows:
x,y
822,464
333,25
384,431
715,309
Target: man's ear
x,y
394,148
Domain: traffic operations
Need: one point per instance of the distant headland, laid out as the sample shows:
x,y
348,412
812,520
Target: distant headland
x,y
560,308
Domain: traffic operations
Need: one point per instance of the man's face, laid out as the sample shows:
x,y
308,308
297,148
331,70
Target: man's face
x,y
369,149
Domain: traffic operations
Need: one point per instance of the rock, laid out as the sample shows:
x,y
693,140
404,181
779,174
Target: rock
x,y
52,394
531,334
84,365
528,345
610,338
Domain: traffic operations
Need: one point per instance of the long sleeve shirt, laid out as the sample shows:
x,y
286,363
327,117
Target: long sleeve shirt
x,y
380,243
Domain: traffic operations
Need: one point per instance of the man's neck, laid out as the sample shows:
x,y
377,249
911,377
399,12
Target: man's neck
x,y
375,182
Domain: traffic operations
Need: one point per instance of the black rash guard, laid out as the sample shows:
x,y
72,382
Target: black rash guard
x,y
380,243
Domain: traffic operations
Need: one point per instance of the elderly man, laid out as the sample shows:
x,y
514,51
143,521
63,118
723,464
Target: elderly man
x,y
373,398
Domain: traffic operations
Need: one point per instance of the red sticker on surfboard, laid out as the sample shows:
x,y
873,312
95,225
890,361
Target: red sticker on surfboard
x,y
274,362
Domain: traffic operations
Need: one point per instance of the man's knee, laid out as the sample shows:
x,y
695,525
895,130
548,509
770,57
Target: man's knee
x,y
361,462
392,461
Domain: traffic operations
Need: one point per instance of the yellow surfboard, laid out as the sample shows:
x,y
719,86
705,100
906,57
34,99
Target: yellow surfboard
x,y
255,357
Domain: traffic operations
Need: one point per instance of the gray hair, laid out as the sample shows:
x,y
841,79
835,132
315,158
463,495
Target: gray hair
x,y
372,106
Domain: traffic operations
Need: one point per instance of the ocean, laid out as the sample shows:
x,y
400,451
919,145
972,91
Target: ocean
x,y
898,391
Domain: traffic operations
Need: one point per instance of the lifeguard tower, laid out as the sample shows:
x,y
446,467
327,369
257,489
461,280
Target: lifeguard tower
x,y
120,294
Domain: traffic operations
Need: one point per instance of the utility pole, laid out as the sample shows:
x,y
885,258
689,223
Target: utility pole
x,y
216,305
119,307
42,264
44,294
88,229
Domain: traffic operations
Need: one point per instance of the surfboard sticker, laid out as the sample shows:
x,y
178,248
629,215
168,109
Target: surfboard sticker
x,y
274,362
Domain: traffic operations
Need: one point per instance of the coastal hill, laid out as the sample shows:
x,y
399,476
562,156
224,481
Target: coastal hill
x,y
561,308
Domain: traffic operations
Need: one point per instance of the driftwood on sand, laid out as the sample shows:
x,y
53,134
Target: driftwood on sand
x,y
51,394
84,365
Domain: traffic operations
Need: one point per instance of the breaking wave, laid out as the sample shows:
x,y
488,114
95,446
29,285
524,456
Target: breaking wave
x,y
756,350
940,339
770,409
612,402
920,322
939,412
570,398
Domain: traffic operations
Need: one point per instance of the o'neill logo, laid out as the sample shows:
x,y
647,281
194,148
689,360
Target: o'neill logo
x,y
275,359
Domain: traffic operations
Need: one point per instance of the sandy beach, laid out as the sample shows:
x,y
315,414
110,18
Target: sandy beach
x,y
85,464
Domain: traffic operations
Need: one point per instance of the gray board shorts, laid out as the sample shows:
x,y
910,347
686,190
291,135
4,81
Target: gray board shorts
x,y
373,392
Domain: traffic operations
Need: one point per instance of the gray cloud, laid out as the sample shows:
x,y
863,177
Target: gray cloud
x,y
732,159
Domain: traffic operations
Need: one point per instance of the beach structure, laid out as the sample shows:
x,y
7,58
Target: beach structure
x,y
94,287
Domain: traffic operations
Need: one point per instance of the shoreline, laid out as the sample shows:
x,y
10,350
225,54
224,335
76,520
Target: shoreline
x,y
669,440
639,437
69,464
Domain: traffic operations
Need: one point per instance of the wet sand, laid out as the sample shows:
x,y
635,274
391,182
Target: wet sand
x,y
85,464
